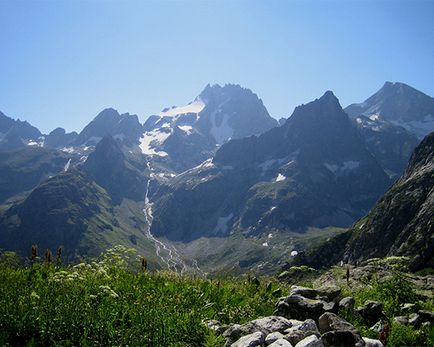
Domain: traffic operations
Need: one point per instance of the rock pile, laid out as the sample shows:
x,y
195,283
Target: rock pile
x,y
305,318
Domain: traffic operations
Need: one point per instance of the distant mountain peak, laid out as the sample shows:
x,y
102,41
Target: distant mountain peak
x,y
401,105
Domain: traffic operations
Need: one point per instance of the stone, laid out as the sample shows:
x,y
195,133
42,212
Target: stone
x,y
331,292
235,331
414,320
299,307
310,341
330,306
427,316
269,324
295,336
341,338
307,325
371,312
281,343
347,303
215,325
372,342
303,291
402,320
273,337
338,332
378,327
251,340
408,308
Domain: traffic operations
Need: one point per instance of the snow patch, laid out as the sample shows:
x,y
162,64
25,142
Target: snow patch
x,y
150,140
194,107
66,168
69,150
265,244
188,129
221,132
280,177
222,224
294,253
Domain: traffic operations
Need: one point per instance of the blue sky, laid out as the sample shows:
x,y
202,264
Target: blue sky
x,y
61,62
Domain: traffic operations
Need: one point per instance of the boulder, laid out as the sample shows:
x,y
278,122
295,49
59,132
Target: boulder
x,y
402,320
330,306
281,343
341,338
408,308
347,303
372,342
303,291
251,340
310,341
338,332
299,307
414,320
299,332
426,316
295,336
371,312
273,337
331,292
215,325
269,324
235,331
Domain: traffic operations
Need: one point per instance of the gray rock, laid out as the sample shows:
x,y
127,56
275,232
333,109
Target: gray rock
x,y
371,312
251,340
269,324
331,292
415,320
427,316
330,321
408,308
303,291
338,332
281,343
426,324
347,303
378,327
372,342
299,307
215,325
341,338
295,336
273,337
330,306
299,332
402,320
310,341
235,331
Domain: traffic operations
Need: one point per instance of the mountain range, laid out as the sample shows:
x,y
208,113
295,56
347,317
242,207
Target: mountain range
x,y
218,176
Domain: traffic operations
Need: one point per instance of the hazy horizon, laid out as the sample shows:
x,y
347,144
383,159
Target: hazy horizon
x,y
62,63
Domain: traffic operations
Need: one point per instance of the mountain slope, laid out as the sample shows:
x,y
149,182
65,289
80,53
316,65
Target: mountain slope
x,y
399,104
313,171
22,170
180,138
401,223
15,134
390,144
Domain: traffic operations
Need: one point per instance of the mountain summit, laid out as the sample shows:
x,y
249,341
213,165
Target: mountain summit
x,y
401,105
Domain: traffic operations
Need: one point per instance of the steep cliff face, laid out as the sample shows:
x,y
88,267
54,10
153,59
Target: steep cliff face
x,y
401,223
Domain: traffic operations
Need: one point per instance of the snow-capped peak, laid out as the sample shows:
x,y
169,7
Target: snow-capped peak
x,y
193,107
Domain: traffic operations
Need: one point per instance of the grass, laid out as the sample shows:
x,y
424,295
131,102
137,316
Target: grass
x,y
108,302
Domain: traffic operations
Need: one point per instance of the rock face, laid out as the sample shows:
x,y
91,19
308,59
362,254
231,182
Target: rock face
x,y
391,145
58,138
401,105
15,134
399,224
119,176
180,138
124,127
314,171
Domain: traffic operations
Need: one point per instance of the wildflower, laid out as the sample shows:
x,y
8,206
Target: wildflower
x,y
34,296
